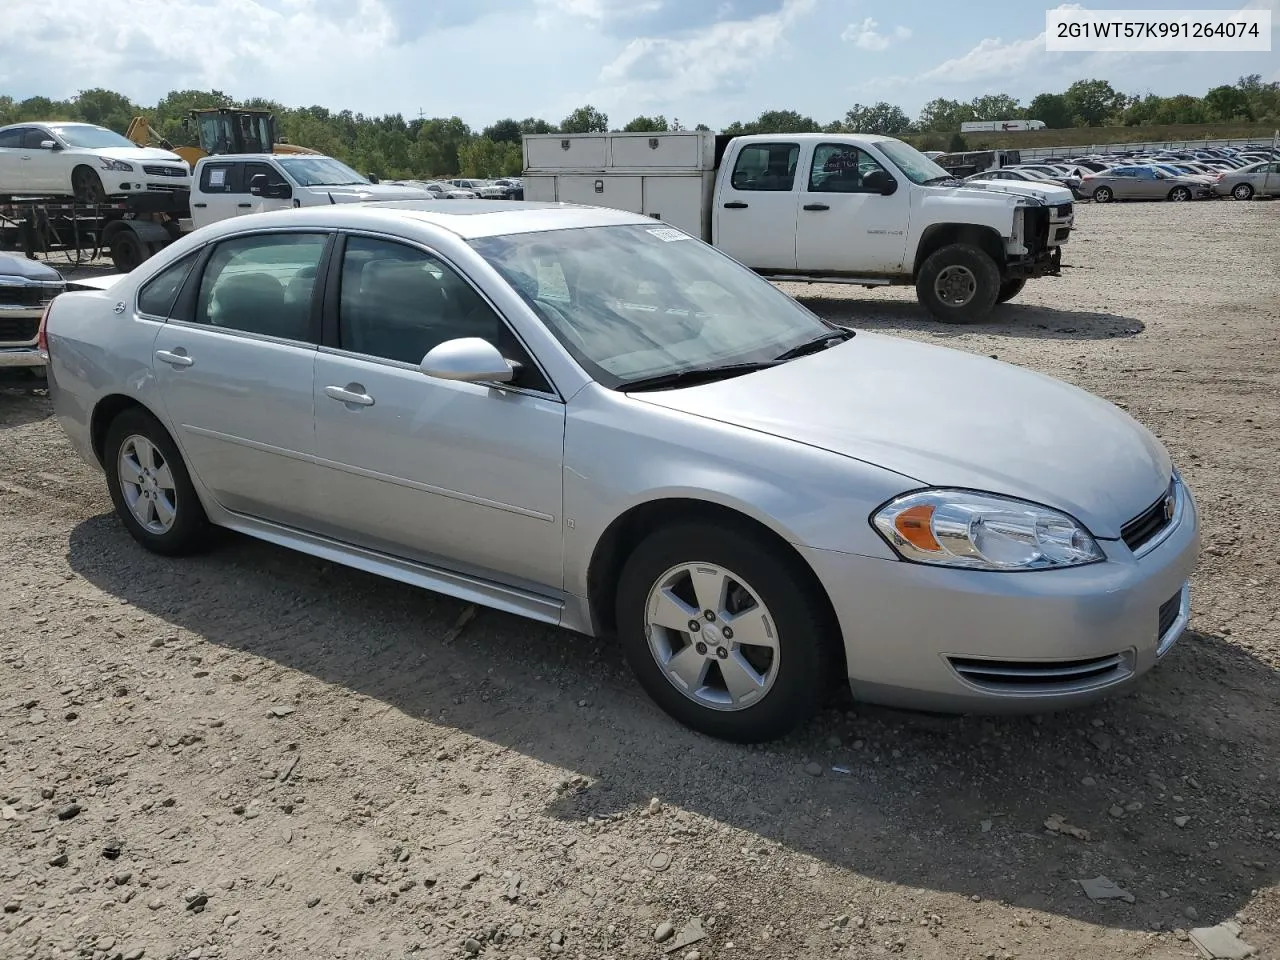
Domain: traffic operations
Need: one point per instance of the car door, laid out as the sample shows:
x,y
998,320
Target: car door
x,y
846,222
257,204
1269,182
757,206
45,170
1125,183
466,476
12,171
234,363
218,193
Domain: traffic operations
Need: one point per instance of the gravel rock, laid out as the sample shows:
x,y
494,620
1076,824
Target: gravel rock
x,y
664,931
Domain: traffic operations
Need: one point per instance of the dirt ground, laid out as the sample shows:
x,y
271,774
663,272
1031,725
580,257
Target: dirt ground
x,y
257,754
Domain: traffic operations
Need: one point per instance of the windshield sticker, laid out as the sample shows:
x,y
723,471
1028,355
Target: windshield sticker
x,y
668,234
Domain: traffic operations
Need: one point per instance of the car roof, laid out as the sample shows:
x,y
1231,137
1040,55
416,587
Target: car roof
x,y
468,219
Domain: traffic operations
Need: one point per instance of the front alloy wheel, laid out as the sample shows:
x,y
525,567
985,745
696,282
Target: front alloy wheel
x,y
147,484
712,636
725,631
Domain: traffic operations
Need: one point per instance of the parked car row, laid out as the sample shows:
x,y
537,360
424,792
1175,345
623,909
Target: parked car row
x,y
465,188
1167,175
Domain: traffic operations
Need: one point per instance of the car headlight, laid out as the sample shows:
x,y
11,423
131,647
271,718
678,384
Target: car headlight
x,y
980,531
119,166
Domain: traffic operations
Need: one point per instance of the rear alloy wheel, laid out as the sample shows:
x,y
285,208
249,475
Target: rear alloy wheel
x,y
958,283
1179,194
150,486
1242,191
723,633
1010,289
1103,195
87,185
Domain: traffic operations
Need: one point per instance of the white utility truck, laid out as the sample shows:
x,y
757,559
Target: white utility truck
x,y
819,208
230,185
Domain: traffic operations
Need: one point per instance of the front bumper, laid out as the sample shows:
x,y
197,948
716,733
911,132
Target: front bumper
x,y
1046,263
962,641
11,357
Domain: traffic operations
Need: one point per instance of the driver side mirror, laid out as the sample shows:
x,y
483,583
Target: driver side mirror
x,y
878,181
50,145
469,359
259,187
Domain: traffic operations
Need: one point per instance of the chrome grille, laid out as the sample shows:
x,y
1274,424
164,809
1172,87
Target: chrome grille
x,y
1041,676
1063,210
23,296
1150,522
157,171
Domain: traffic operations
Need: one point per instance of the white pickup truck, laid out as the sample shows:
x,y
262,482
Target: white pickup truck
x,y
822,208
229,185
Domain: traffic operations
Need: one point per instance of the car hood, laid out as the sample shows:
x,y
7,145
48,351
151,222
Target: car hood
x,y
945,417
1049,193
26,269
138,154
355,193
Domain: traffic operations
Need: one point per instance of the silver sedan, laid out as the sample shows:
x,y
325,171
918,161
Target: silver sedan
x,y
1257,179
594,420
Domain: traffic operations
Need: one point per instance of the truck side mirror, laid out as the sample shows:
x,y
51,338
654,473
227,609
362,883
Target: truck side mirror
x,y
889,187
258,184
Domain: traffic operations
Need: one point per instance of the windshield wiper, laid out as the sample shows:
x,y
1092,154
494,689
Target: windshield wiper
x,y
688,378
815,345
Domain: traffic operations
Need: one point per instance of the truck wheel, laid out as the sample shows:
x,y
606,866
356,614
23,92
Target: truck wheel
x,y
87,185
1102,195
958,284
126,251
1242,191
1010,289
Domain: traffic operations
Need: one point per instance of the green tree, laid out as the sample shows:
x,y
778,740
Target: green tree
x,y
1228,103
996,106
883,118
586,119
644,124
944,115
105,108
504,131
775,121
534,125
1051,109
1093,103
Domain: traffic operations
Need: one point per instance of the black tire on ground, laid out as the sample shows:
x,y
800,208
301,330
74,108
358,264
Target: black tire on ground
x,y
1242,191
956,267
87,185
1010,289
1103,195
126,250
190,529
1180,194
808,661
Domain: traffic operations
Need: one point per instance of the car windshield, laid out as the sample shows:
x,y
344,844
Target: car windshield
x,y
914,165
91,138
633,302
320,172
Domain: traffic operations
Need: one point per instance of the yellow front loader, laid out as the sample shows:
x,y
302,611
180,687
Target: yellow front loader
x,y
219,130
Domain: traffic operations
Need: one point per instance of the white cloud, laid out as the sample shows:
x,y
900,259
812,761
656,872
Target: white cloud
x,y
990,58
668,68
865,36
185,45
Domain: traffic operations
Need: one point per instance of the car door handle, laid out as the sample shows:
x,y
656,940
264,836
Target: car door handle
x,y
735,205
351,393
244,206
816,206
174,359
200,205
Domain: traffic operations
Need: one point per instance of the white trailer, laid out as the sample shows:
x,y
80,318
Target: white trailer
x,y
1000,126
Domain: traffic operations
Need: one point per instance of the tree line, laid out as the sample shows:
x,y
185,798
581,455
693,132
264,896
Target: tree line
x,y
391,146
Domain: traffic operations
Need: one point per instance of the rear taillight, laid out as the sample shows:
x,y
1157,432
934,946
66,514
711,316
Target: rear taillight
x,y
42,338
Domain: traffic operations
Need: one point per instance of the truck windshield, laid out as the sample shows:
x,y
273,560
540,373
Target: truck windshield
x,y
320,172
914,165
635,302
91,138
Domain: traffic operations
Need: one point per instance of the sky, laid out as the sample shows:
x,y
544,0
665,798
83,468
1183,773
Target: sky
x,y
701,61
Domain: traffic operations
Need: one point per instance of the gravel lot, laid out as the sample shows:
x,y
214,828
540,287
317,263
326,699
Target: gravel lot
x,y
256,754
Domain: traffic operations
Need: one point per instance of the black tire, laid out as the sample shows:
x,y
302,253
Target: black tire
x,y
808,659
1010,289
126,251
189,531
1242,191
1103,195
983,276
87,185
1180,194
